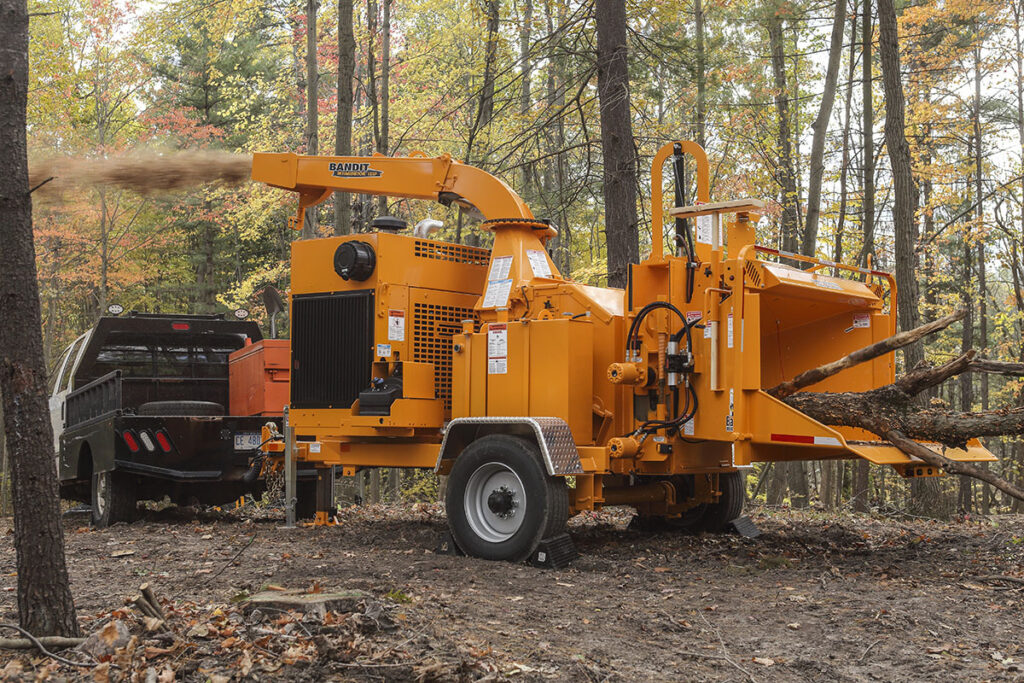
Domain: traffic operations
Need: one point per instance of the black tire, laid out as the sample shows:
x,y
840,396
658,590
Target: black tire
x,y
729,505
510,459
181,408
113,499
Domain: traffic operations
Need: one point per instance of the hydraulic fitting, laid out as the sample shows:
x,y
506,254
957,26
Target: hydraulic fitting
x,y
627,373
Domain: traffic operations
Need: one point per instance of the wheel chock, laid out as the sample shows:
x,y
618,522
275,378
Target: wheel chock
x,y
744,526
446,545
554,553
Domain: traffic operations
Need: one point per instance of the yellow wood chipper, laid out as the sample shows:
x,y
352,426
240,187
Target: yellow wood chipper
x,y
540,397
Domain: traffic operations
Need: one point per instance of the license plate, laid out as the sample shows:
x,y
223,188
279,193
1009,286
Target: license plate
x,y
246,441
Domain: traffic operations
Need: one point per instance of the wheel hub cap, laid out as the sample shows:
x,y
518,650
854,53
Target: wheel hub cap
x,y
495,502
502,502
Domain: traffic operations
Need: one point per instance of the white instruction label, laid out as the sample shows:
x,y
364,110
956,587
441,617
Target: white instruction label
x,y
497,293
704,229
728,331
396,325
828,284
688,427
539,263
314,447
384,350
497,349
497,340
862,320
500,268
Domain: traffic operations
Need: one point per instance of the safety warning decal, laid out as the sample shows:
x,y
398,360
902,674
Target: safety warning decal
x,y
728,331
497,293
383,350
539,262
862,320
500,268
497,349
729,417
693,316
704,229
396,325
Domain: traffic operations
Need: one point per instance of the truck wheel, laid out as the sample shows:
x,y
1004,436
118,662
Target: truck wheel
x,y
181,408
500,500
113,499
729,505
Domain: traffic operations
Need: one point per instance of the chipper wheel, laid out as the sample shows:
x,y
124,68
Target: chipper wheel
x,y
501,502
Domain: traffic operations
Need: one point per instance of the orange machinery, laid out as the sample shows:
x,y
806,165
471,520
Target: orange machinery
x,y
258,378
541,397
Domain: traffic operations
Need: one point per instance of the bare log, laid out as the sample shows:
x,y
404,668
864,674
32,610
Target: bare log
x,y
147,592
815,375
997,367
143,606
55,642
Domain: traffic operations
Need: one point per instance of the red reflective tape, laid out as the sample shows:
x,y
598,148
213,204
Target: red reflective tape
x,y
793,438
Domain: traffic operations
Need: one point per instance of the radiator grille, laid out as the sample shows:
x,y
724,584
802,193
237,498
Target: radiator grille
x,y
458,253
332,339
433,326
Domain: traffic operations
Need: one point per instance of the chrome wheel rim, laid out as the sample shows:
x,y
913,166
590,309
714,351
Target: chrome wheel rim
x,y
495,502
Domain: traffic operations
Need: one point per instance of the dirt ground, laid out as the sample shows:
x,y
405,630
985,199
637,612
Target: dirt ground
x,y
816,597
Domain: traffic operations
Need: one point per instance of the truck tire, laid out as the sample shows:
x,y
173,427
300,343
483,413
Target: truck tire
x,y
113,498
729,505
500,500
181,408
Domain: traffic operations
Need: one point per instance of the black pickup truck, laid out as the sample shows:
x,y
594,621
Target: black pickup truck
x,y
138,405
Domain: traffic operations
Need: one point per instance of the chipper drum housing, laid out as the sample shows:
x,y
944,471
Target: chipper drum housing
x,y
541,397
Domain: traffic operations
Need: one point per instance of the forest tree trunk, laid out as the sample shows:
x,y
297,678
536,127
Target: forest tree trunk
x,y
786,173
867,98
820,127
309,226
617,144
45,605
905,196
343,123
383,143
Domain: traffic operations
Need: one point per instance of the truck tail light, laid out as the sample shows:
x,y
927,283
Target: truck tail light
x,y
130,440
164,441
180,326
147,441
